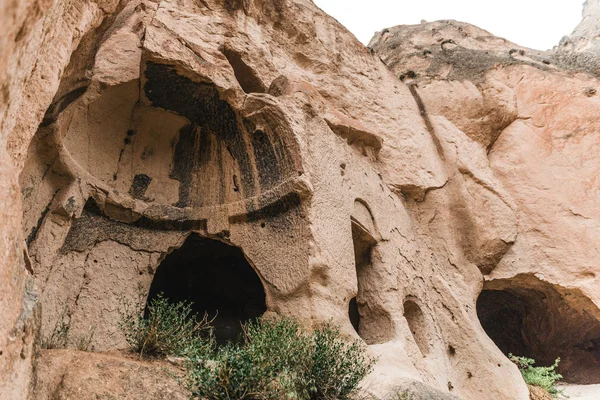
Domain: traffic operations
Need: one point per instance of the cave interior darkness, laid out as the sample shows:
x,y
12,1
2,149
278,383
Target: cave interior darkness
x,y
537,323
217,279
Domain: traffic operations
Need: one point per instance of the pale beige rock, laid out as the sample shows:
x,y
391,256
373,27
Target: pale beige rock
x,y
381,197
533,116
19,316
586,36
71,374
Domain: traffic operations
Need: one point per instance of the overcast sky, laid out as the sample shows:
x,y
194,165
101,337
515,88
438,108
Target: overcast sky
x,y
537,24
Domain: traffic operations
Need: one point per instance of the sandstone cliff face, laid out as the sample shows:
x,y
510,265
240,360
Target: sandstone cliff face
x,y
535,114
157,141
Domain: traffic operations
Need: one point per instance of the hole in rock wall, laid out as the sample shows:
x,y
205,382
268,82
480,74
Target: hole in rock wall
x,y
370,320
537,321
417,325
217,278
245,75
353,314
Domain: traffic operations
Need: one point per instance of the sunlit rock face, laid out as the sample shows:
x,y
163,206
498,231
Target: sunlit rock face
x,y
253,157
535,115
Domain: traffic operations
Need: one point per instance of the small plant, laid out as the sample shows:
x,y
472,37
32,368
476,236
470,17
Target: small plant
x,y
544,377
278,360
168,329
61,337
84,342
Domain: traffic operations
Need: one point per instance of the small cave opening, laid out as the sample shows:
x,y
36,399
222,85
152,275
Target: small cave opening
x,y
538,322
363,245
217,278
417,325
369,319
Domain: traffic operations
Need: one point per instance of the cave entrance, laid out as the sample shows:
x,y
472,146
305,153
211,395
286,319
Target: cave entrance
x,y
502,315
535,320
217,278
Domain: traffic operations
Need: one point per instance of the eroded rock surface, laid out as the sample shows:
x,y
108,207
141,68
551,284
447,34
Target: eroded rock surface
x,y
535,116
71,374
257,146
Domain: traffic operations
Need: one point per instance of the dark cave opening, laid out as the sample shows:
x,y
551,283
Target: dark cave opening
x,y
217,278
502,315
537,322
363,245
353,314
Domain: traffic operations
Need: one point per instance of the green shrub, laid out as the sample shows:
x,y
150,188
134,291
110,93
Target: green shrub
x,y
168,329
544,377
271,363
337,367
278,360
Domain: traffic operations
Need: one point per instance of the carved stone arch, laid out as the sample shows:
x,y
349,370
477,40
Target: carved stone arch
x,y
217,278
367,312
363,218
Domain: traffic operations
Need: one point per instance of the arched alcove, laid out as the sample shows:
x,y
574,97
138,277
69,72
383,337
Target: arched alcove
x,y
502,315
530,318
217,278
417,325
366,313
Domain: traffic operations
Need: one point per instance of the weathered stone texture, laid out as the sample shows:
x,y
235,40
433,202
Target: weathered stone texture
x,y
535,116
382,189
71,374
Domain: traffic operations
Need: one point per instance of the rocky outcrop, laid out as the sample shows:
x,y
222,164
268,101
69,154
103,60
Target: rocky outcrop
x,y
586,36
253,157
20,317
535,115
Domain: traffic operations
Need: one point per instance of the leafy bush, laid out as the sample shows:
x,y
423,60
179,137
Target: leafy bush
x,y
337,367
278,360
269,364
168,329
544,377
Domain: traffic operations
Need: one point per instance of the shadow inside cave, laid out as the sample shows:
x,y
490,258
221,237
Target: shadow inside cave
x,y
533,319
217,279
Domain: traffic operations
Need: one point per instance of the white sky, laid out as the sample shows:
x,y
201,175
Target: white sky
x,y
537,24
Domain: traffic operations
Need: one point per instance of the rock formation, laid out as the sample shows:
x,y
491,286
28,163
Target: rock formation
x,y
536,114
252,156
